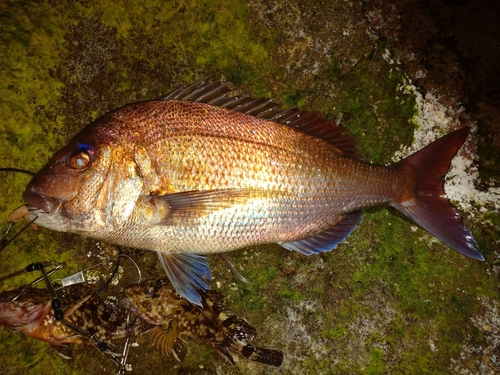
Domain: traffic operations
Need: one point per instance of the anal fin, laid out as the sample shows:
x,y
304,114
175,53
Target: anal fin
x,y
328,239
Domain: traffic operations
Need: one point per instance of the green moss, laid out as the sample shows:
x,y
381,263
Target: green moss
x,y
373,106
429,283
213,36
31,37
376,364
289,292
294,99
336,333
32,41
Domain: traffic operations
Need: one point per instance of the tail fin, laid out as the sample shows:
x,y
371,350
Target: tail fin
x,y
270,357
428,207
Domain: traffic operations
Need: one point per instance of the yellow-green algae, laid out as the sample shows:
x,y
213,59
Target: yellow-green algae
x,y
389,300
32,41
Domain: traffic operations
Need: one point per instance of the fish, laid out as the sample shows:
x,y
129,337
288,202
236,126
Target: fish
x,y
158,303
202,171
29,310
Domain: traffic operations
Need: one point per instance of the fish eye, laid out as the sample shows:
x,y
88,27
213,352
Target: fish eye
x,y
79,160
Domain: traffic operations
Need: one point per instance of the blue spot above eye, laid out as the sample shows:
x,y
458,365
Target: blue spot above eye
x,y
84,147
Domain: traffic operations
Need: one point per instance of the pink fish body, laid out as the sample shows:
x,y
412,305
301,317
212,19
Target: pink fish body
x,y
200,172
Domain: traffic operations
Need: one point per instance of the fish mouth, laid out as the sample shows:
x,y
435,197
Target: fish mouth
x,y
40,202
15,316
128,305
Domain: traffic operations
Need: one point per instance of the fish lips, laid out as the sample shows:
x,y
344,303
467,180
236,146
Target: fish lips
x,y
41,202
19,315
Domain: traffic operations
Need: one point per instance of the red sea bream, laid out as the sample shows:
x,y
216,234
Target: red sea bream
x,y
201,172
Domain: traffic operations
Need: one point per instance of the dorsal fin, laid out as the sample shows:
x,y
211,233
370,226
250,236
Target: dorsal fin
x,y
219,94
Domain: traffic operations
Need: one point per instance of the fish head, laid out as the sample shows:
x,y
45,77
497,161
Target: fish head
x,y
22,309
87,186
154,301
29,311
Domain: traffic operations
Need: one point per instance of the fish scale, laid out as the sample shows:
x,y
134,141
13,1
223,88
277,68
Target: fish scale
x,y
194,160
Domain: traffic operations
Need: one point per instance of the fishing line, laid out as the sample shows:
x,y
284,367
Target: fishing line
x,y
29,268
113,273
4,242
116,270
59,316
17,170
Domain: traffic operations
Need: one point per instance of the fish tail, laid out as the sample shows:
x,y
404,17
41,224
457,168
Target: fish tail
x,y
424,199
270,357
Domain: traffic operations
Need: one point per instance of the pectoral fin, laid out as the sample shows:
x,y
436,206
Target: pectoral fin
x,y
187,271
169,209
165,336
329,239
